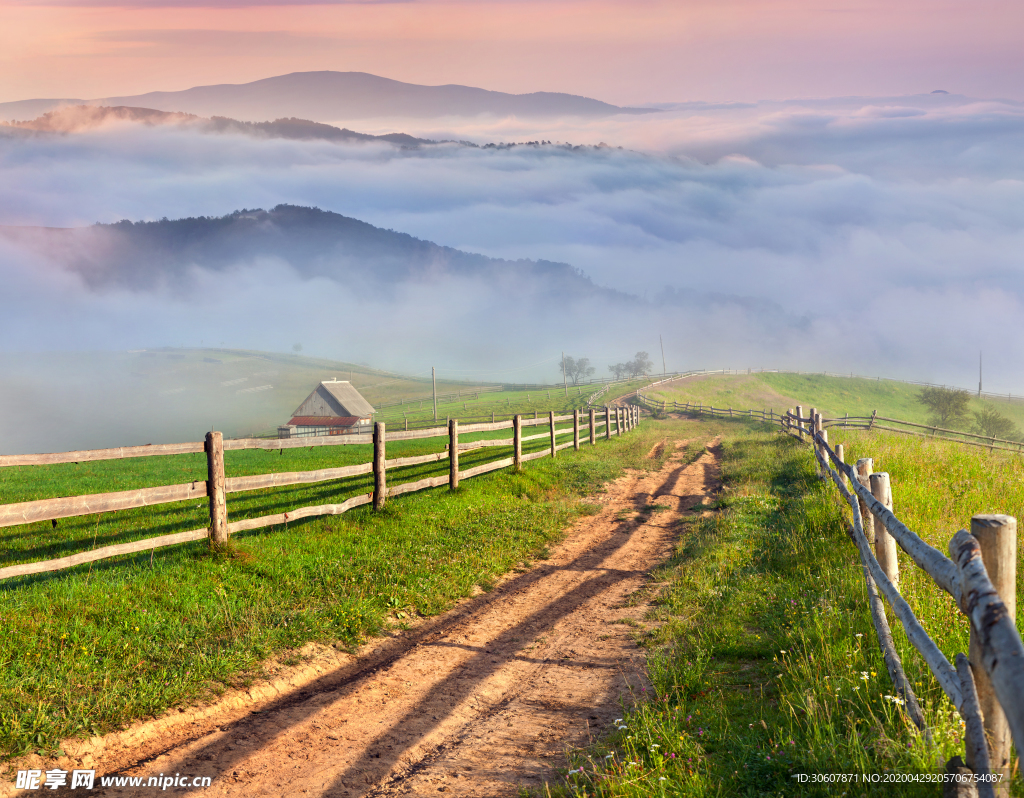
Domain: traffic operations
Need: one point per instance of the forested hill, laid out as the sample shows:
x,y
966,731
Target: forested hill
x,y
314,243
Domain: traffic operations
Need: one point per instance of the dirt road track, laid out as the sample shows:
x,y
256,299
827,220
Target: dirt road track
x,y
476,703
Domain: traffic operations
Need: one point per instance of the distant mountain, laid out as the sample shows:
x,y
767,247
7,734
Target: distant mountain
x,y
76,118
333,96
314,243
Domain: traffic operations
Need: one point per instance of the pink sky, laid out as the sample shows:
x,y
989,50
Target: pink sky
x,y
621,51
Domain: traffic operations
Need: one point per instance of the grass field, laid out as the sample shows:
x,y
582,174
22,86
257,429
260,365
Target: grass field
x,y
504,404
762,654
833,396
761,649
94,647
170,395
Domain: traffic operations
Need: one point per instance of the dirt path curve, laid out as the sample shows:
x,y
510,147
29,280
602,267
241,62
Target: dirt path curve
x,y
476,703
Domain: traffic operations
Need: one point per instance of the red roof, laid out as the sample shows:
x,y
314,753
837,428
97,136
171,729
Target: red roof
x,y
324,421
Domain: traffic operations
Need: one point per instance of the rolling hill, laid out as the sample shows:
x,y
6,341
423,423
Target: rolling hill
x,y
78,118
314,243
330,96
833,396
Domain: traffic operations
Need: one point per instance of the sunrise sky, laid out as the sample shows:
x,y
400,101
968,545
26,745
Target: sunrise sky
x,y
621,51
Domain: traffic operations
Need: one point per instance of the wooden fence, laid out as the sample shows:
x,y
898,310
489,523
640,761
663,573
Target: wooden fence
x,y
872,422
617,420
986,686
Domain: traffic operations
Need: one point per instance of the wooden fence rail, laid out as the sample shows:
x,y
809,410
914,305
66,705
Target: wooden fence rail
x,y
217,484
986,687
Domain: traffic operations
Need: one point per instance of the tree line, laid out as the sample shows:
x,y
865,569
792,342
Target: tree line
x,y
579,369
950,408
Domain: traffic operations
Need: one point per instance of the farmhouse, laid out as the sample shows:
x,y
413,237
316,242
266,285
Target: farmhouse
x,y
334,408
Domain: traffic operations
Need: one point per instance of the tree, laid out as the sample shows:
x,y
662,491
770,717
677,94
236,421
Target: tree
x,y
993,424
577,370
619,370
948,406
641,364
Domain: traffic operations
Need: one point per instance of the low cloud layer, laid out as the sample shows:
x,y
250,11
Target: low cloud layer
x,y
878,236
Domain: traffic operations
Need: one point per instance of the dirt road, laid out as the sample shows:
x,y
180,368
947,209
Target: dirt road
x,y
476,703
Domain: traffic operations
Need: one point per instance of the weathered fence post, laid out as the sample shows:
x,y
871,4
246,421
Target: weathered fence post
x,y
823,469
576,430
453,454
379,482
864,468
607,423
517,442
799,423
593,438
215,488
840,455
997,538
885,544
551,421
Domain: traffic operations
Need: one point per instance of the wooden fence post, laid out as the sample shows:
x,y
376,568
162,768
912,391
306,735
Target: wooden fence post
x,y
517,442
864,468
593,437
453,454
215,488
576,430
840,454
997,538
885,544
607,423
551,421
379,481
799,423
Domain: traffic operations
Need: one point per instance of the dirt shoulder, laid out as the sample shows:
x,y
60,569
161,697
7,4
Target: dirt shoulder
x,y
478,702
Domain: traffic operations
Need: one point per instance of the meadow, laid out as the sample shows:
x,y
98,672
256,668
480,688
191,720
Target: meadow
x,y
761,650
94,647
832,396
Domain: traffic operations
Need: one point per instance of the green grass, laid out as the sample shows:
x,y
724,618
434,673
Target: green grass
x,y
92,648
762,656
505,404
833,396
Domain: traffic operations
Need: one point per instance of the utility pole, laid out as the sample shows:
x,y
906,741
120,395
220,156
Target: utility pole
x,y
979,374
565,384
433,379
664,368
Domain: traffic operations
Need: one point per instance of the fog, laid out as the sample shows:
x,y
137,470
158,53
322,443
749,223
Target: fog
x,y
882,236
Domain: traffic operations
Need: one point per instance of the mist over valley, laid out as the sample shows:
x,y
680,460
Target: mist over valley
x,y
848,234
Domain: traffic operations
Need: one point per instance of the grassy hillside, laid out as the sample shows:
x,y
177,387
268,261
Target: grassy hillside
x,y
762,654
89,400
833,396
94,647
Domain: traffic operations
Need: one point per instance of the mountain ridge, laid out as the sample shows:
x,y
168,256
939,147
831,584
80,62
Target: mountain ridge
x,y
76,118
328,96
314,243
